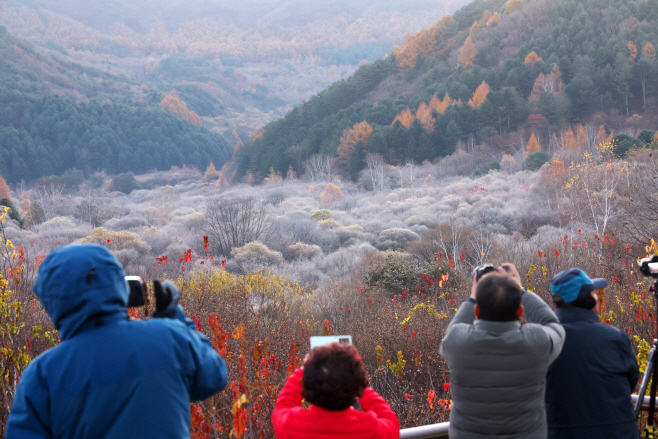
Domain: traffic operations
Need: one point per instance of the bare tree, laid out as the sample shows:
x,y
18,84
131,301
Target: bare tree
x,y
376,167
330,164
640,199
320,166
314,166
50,198
234,222
408,173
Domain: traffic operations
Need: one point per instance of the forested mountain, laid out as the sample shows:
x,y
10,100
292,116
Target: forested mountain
x,y
497,72
237,65
250,30
57,116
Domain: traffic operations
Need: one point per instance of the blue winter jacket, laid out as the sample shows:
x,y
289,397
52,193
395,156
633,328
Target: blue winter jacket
x,y
110,377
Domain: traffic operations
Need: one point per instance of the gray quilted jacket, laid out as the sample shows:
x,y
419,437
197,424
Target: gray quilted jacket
x,y
498,371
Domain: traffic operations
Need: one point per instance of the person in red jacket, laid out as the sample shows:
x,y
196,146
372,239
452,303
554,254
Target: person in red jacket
x,y
334,381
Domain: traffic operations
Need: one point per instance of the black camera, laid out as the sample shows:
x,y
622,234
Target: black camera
x,y
483,269
649,266
138,291
163,293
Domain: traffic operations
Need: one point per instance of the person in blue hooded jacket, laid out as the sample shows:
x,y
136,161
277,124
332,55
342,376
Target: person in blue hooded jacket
x,y
110,377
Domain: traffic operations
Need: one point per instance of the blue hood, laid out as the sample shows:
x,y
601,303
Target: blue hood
x,y
82,285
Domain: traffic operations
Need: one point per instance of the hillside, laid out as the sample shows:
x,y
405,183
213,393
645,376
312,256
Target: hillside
x,y
58,116
492,76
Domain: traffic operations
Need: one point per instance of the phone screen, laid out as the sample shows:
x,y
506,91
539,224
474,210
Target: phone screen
x,y
328,339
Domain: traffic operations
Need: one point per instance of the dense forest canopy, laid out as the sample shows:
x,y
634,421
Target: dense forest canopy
x,y
141,15
493,68
252,30
43,133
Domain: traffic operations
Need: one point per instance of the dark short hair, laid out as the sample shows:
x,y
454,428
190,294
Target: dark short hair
x,y
584,299
498,298
334,376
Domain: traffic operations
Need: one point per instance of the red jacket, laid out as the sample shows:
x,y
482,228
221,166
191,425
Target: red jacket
x,y
292,421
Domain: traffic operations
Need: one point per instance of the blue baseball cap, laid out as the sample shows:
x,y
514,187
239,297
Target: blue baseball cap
x,y
568,284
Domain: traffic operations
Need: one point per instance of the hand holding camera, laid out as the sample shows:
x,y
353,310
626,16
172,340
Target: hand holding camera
x,y
166,295
484,269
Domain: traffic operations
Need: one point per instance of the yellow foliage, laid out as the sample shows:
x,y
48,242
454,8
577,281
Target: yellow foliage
x,y
405,117
211,173
632,52
4,190
177,107
257,134
424,115
351,137
556,173
441,105
291,174
495,18
406,55
221,180
116,240
485,18
532,58
331,193
649,50
507,163
513,5
237,147
467,54
475,29
533,145
581,136
480,95
274,177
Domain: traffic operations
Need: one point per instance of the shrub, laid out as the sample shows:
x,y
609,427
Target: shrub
x,y
126,223
399,272
321,215
330,223
536,160
258,252
125,183
128,247
330,195
13,212
302,250
96,181
396,238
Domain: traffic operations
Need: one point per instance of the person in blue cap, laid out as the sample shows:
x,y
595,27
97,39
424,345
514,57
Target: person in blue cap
x,y
588,387
111,377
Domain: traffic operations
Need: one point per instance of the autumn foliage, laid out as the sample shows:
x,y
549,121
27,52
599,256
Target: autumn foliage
x,y
533,145
405,117
649,50
177,107
211,173
331,194
359,133
4,190
423,44
480,95
632,52
532,58
467,54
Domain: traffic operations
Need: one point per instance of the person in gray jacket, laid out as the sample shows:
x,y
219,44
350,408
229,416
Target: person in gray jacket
x,y
498,366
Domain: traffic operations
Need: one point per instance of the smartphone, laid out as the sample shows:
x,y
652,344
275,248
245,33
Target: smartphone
x,y
328,339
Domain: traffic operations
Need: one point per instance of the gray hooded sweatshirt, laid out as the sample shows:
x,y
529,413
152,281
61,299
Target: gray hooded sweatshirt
x,y
498,371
